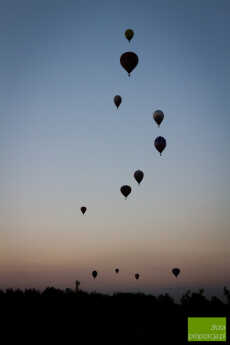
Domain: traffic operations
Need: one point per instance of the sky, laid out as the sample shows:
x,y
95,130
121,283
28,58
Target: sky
x,y
63,144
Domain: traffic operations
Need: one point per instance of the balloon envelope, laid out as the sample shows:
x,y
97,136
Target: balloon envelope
x,y
94,274
176,271
160,144
125,190
138,175
117,100
83,209
158,116
129,34
129,61
137,275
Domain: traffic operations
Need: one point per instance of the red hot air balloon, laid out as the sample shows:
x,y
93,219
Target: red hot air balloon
x,y
83,209
125,190
129,61
117,100
94,274
137,275
176,271
160,144
158,116
138,175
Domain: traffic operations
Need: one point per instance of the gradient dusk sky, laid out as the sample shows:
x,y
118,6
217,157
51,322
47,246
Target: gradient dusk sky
x,y
63,144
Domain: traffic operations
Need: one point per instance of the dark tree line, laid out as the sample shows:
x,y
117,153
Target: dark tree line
x,y
121,318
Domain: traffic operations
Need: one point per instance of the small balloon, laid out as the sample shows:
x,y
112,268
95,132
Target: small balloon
x,y
117,270
129,61
176,271
117,100
158,116
125,190
129,34
137,275
94,274
138,175
160,144
83,209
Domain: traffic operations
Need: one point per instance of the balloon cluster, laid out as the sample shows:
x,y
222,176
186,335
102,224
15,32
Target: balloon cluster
x,y
95,273
129,61
175,271
160,142
126,190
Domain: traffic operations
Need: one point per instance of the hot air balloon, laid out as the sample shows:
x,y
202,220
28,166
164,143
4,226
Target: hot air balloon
x,y
129,61
137,275
129,34
138,175
94,274
176,271
125,190
160,144
117,270
83,209
117,100
158,116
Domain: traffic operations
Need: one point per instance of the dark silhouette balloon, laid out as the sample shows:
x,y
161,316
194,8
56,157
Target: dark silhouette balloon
x,y
117,270
158,116
94,274
138,175
83,209
117,100
176,271
160,144
125,190
129,61
129,34
137,275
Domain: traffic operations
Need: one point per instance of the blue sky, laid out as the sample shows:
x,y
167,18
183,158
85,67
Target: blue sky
x,y
63,143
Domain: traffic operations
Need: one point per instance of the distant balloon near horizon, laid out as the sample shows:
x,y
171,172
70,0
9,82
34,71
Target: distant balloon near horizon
x,y
138,175
137,275
129,61
117,270
129,33
158,116
160,144
176,271
125,190
83,209
94,274
117,100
